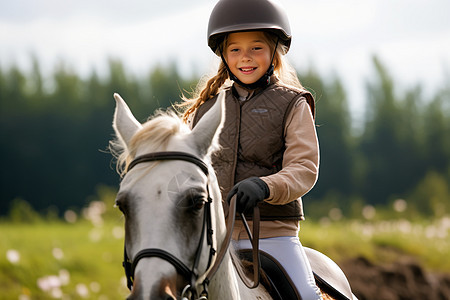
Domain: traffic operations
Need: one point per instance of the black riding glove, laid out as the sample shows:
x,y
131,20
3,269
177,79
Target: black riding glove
x,y
249,192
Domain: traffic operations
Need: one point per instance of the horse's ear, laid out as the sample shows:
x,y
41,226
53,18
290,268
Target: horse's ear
x,y
125,124
207,130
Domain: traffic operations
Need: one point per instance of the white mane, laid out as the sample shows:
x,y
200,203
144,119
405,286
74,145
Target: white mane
x,y
154,136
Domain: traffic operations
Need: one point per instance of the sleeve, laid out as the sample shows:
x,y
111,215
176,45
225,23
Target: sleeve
x,y
300,166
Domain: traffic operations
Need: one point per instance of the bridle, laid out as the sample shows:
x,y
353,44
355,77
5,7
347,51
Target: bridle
x,y
191,274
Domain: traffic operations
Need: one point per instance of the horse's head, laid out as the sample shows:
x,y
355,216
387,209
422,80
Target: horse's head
x,y
164,199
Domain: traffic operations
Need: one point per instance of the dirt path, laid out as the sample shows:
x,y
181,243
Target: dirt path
x,y
397,281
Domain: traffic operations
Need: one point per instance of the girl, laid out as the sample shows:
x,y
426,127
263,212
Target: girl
x,y
269,150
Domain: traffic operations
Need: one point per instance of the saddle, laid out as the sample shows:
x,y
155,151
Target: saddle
x,y
327,274
329,277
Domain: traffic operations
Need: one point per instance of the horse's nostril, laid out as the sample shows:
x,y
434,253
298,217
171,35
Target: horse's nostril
x,y
168,296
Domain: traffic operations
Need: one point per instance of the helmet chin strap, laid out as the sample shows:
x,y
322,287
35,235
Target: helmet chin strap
x,y
261,82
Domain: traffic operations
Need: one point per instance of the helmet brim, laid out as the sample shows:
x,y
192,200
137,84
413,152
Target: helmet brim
x,y
217,37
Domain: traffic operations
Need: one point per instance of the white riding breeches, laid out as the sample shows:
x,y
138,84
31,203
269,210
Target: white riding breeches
x,y
290,254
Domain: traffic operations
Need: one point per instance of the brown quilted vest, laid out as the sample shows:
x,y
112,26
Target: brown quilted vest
x,y
254,130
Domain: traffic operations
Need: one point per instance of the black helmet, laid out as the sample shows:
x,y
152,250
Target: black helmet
x,y
246,15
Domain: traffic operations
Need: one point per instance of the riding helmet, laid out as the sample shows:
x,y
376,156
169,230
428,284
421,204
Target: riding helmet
x,y
247,15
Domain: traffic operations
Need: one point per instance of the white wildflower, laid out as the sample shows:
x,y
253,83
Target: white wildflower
x,y
64,277
335,214
369,212
70,216
13,256
82,290
95,286
48,283
400,205
57,253
118,232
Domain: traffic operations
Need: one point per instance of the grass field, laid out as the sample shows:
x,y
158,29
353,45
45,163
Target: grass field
x,y
62,261
383,241
81,259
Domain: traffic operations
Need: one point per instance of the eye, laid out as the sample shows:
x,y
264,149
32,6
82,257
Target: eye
x,y
195,200
199,204
121,209
121,204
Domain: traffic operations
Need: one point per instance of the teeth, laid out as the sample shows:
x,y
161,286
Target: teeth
x,y
247,69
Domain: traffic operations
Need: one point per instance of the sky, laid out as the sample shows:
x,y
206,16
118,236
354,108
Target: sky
x,y
411,38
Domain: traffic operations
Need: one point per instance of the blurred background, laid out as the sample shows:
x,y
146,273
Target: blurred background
x,y
379,70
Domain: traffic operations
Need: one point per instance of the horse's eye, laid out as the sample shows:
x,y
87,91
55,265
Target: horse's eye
x,y
199,203
194,199
196,202
121,209
121,205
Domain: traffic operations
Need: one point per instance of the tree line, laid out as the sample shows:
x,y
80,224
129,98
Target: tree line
x,y
54,134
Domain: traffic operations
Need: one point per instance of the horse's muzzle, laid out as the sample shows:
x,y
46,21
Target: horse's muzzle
x,y
164,290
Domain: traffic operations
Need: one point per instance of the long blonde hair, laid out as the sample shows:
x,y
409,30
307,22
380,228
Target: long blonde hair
x,y
207,89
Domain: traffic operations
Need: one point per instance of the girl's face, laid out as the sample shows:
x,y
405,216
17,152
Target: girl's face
x,y
248,55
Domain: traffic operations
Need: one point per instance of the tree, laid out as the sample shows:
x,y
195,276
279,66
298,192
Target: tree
x,y
333,129
392,142
437,127
53,133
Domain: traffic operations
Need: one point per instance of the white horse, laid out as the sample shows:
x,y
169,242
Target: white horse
x,y
163,202
174,221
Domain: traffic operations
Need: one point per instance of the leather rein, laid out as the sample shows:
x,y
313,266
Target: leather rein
x,y
191,274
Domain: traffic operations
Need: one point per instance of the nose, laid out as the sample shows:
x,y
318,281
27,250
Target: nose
x,y
164,290
246,56
153,296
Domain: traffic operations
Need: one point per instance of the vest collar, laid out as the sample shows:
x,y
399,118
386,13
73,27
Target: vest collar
x,y
244,94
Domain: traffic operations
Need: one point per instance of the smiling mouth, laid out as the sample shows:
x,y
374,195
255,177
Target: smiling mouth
x,y
247,69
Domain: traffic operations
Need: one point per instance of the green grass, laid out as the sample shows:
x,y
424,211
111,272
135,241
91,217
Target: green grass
x,y
426,242
92,255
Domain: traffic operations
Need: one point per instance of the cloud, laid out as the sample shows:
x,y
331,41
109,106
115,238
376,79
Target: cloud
x,y
411,36
87,40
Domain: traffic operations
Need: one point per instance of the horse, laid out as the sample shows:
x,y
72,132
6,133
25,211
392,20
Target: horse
x,y
176,234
